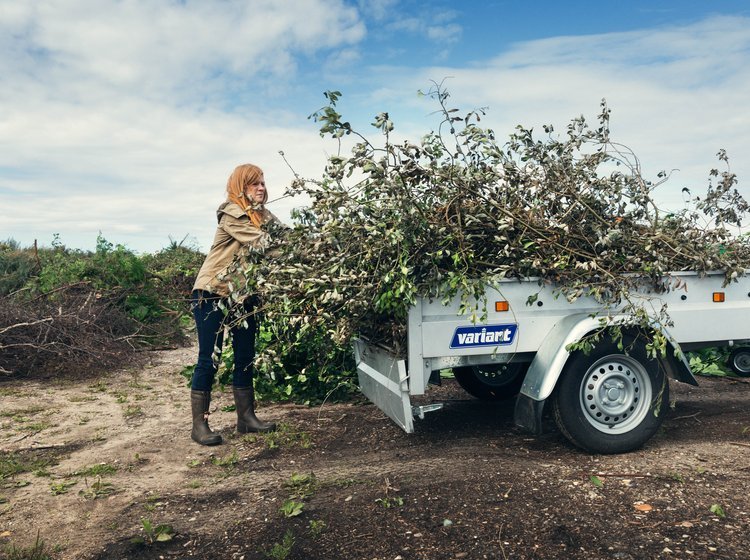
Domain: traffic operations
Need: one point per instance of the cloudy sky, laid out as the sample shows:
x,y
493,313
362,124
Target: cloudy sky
x,y
125,117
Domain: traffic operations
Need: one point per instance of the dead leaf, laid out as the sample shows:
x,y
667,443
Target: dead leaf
x,y
643,507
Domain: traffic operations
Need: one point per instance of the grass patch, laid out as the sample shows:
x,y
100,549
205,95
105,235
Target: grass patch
x,y
38,551
100,386
302,486
17,393
18,462
286,436
135,384
227,462
133,411
98,489
22,411
81,398
36,427
101,469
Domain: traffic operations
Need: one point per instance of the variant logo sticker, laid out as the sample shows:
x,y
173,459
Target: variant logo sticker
x,y
484,335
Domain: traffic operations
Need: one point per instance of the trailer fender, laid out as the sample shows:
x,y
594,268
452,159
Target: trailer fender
x,y
547,365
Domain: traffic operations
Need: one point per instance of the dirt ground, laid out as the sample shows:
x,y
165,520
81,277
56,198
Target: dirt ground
x,y
89,463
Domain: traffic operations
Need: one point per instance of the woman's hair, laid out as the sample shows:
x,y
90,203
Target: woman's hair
x,y
241,177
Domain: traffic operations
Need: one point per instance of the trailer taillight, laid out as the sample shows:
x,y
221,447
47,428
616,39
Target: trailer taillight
x,y
501,306
718,297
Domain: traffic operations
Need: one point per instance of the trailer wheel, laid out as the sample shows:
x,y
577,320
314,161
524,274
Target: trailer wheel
x,y
739,361
492,382
609,401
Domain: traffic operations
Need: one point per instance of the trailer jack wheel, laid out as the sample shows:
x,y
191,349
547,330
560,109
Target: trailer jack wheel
x,y
739,361
492,382
610,401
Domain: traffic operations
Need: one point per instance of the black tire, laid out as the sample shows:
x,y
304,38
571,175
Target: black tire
x,y
739,361
610,401
492,382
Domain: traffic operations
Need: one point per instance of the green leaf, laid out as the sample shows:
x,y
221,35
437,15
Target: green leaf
x,y
716,509
291,508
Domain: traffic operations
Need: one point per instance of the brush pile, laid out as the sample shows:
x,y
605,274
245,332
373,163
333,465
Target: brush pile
x,y
457,210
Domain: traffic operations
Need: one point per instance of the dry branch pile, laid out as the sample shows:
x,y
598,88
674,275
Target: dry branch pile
x,y
72,334
457,210
76,312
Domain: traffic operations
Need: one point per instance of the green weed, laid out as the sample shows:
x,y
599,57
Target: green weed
x,y
285,436
316,527
282,550
154,533
98,489
709,361
302,485
291,508
227,462
61,487
35,552
390,501
717,510
132,411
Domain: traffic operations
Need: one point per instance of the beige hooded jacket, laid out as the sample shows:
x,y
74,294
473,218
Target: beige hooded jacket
x,y
234,235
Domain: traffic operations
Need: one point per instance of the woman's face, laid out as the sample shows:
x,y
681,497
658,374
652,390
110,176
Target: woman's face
x,y
256,191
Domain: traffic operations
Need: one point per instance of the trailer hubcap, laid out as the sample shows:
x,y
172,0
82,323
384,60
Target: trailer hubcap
x,y
615,394
742,362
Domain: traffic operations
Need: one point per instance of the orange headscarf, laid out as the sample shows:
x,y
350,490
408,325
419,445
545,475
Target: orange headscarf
x,y
241,177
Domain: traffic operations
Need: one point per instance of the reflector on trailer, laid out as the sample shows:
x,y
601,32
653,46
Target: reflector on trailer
x,y
501,306
718,297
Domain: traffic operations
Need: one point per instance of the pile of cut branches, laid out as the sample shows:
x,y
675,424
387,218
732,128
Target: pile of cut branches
x,y
74,312
457,210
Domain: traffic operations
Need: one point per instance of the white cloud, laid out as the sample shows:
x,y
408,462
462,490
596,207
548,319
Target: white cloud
x,y
379,9
444,33
437,26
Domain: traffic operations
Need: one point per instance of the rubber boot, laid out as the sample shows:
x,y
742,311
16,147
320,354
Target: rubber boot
x,y
244,400
200,401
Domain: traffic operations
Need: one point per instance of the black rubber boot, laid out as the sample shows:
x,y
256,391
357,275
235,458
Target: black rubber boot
x,y
200,401
244,400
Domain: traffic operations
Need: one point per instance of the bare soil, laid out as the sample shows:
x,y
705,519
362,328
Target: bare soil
x,y
99,456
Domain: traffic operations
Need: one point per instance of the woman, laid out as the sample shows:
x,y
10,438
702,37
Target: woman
x,y
239,231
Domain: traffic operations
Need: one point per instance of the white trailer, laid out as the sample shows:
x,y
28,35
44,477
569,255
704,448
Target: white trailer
x,y
610,400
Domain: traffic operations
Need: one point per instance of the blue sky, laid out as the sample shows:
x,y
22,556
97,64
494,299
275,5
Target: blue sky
x,y
125,118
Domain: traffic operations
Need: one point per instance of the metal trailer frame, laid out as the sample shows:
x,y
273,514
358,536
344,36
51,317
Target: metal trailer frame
x,y
544,324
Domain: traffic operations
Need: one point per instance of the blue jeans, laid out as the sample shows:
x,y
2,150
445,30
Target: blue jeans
x,y
209,322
